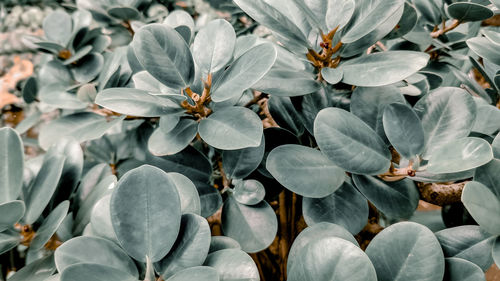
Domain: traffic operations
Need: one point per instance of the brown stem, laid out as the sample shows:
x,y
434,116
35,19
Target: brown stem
x,y
128,26
441,193
225,181
437,33
256,99
284,235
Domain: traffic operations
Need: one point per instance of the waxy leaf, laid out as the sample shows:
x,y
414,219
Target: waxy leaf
x,y
100,219
332,75
161,143
483,206
489,176
188,194
95,272
484,48
57,27
38,270
349,143
233,265
249,192
8,240
240,163
11,212
49,226
460,269
11,165
222,242
196,273
467,11
338,13
304,170
146,213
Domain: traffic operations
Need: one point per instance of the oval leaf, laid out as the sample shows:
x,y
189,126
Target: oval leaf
x,y
11,165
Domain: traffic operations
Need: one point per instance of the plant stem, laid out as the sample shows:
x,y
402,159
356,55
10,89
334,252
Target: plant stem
x,y
441,193
454,24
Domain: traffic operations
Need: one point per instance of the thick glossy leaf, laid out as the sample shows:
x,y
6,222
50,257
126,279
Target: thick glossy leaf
x,y
446,114
460,269
165,55
460,155
406,23
38,270
245,71
214,45
146,213
57,27
315,233
222,242
381,69
332,75
345,207
82,126
331,259
8,240
196,273
136,102
233,265
191,247
232,128
249,192
496,251
304,170
85,249
338,13
487,120
49,226
240,163
43,187
349,143
489,176
285,115
12,212
254,227
483,206
11,165
287,82
190,200
495,145
484,48
95,272
468,242
88,67
179,17
100,219
403,129
429,11
161,143
407,251
395,199
370,18
467,11
124,13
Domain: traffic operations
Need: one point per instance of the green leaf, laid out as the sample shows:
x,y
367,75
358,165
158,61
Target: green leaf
x,y
12,212
38,270
496,251
49,226
233,265
460,269
304,170
11,165
446,114
487,119
406,23
191,247
214,45
468,242
467,11
82,126
395,199
46,183
94,272
138,102
165,55
403,129
383,68
373,15
88,67
57,96
287,82
245,71
345,207
161,143
78,55
285,115
223,242
232,128
332,75
484,48
254,227
146,213
331,259
460,155
240,163
178,18
429,11
406,251
188,194
8,240
496,146
349,143
30,90
57,27
483,206
85,249
488,175
249,192
100,219
196,273
338,13
124,13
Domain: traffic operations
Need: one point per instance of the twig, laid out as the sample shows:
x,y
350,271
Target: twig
x,y
437,33
441,193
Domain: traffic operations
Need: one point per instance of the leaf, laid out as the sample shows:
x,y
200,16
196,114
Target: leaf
x,y
178,18
85,250
12,212
165,55
137,102
406,251
146,213
460,155
487,119
222,242
395,199
94,272
214,45
332,75
460,269
488,175
8,240
38,270
57,27
331,259
254,227
191,247
468,242
345,207
349,143
188,194
467,11
88,67
244,72
483,206
383,68
82,126
232,128
496,251
240,163
446,114
161,143
429,11
100,219
374,15
124,13
495,145
49,226
484,48
407,22
338,13
403,129
11,165
249,192
314,233
287,82
304,170
57,96
196,273
283,112
233,265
